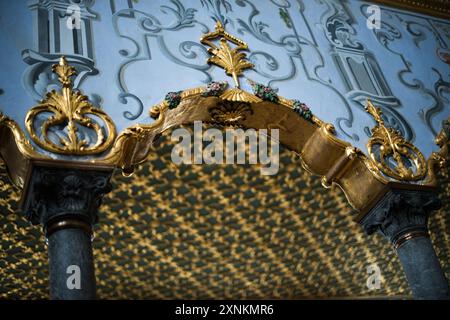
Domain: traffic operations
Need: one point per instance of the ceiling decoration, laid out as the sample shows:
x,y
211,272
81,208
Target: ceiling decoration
x,y
438,8
214,231
364,179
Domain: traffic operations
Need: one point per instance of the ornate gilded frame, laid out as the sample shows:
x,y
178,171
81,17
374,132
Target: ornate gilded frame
x,y
364,180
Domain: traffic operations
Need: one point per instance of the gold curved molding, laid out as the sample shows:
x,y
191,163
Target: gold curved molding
x,y
16,150
437,160
70,109
321,152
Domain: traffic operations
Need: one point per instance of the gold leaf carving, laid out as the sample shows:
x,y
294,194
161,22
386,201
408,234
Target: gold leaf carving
x,y
70,110
232,60
391,153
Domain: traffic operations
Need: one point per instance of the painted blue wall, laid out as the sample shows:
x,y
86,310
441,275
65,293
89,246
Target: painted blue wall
x,y
131,53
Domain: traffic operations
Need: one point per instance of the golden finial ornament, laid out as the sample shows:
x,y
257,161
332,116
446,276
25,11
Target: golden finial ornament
x,y
70,111
391,153
232,60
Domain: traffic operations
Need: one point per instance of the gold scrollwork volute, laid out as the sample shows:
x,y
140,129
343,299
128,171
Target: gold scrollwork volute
x,y
391,153
70,110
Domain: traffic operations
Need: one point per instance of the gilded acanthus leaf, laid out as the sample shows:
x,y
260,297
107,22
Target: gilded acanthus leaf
x,y
64,72
230,59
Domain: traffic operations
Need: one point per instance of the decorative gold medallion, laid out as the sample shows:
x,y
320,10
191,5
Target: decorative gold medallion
x,y
70,110
230,113
391,153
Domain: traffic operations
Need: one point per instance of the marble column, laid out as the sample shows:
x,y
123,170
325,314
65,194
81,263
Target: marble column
x,y
65,200
402,218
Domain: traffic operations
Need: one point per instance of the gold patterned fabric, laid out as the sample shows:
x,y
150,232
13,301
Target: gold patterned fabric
x,y
218,231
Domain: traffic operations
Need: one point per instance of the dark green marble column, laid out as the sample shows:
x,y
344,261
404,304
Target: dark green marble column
x,y
402,218
65,202
422,269
72,273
